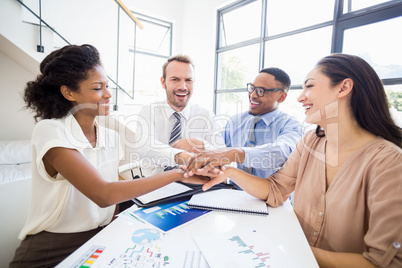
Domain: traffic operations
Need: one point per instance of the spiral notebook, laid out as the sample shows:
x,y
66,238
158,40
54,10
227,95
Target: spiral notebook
x,y
229,200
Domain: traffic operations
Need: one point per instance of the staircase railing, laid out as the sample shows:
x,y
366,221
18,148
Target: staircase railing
x,y
43,23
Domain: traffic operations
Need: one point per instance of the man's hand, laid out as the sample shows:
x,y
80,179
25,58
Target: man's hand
x,y
188,144
212,161
205,177
196,179
183,158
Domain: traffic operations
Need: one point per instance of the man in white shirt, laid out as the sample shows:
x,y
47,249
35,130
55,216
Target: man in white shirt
x,y
167,131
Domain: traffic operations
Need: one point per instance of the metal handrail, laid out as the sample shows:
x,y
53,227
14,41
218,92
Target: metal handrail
x,y
40,47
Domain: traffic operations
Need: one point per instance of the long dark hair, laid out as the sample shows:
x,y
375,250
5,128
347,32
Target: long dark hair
x,y
369,101
66,66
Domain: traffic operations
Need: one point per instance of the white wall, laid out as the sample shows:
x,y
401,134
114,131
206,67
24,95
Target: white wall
x,y
194,35
93,21
199,41
16,123
23,35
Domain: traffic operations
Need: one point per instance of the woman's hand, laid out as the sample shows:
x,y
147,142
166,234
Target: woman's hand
x,y
196,179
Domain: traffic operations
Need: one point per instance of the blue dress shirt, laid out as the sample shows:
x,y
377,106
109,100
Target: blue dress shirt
x,y
276,136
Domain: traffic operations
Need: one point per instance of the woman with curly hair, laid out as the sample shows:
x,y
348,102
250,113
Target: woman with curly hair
x,y
346,175
75,186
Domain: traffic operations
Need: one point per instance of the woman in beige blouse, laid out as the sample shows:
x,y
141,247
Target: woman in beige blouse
x,y
347,175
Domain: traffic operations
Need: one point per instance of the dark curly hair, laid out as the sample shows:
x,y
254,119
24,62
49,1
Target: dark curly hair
x,y
369,101
66,66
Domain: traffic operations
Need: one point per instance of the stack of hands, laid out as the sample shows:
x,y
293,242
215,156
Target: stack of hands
x,y
201,166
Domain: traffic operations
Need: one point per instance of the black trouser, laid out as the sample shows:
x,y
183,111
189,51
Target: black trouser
x,y
47,249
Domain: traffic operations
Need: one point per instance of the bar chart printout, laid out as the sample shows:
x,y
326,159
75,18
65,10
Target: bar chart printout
x,y
145,247
244,248
89,258
168,216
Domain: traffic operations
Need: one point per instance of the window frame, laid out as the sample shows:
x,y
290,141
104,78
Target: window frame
x,y
340,22
134,50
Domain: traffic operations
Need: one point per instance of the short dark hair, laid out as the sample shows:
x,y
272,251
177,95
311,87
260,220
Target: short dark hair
x,y
280,75
66,66
368,102
179,58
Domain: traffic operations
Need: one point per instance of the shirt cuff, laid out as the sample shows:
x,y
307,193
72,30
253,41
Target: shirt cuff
x,y
249,155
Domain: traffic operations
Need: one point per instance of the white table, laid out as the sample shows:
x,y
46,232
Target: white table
x,y
281,227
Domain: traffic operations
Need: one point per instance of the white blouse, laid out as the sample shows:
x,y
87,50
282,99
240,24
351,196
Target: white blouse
x,y
56,205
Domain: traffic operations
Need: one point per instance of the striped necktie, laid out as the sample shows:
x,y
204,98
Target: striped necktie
x,y
176,131
251,139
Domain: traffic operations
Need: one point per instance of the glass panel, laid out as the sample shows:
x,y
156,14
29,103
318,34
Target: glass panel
x,y
365,42
154,38
297,54
291,106
360,4
27,16
394,94
229,104
148,71
237,67
232,103
288,15
125,56
126,73
241,24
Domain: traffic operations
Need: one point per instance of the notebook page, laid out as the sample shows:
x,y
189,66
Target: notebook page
x,y
228,199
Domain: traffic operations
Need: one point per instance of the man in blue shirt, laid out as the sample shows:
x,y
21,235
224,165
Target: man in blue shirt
x,y
273,133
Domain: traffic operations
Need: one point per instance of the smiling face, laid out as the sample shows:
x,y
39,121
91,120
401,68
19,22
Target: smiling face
x,y
319,98
270,101
93,96
178,84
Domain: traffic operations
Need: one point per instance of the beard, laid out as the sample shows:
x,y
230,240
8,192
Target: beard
x,y
176,101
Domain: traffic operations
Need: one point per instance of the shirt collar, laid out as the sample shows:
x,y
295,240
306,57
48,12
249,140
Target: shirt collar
x,y
100,137
78,138
268,117
185,113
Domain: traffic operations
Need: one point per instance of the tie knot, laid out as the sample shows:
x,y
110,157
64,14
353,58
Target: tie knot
x,y
177,115
256,119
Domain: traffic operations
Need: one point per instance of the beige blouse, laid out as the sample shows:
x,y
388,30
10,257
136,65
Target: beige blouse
x,y
361,212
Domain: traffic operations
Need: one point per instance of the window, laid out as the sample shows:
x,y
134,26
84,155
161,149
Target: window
x,y
271,34
364,42
288,15
238,25
353,5
142,55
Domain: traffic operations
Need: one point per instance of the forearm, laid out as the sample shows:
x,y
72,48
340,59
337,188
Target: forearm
x,y
117,192
236,155
273,154
182,158
267,156
253,185
327,259
159,155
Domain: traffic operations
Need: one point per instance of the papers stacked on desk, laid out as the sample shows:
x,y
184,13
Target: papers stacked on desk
x,y
169,190
168,216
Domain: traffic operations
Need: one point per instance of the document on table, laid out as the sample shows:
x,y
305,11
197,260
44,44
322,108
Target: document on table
x,y
168,216
242,248
230,201
163,192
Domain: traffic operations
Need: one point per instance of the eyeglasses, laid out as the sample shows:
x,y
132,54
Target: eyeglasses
x,y
260,90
